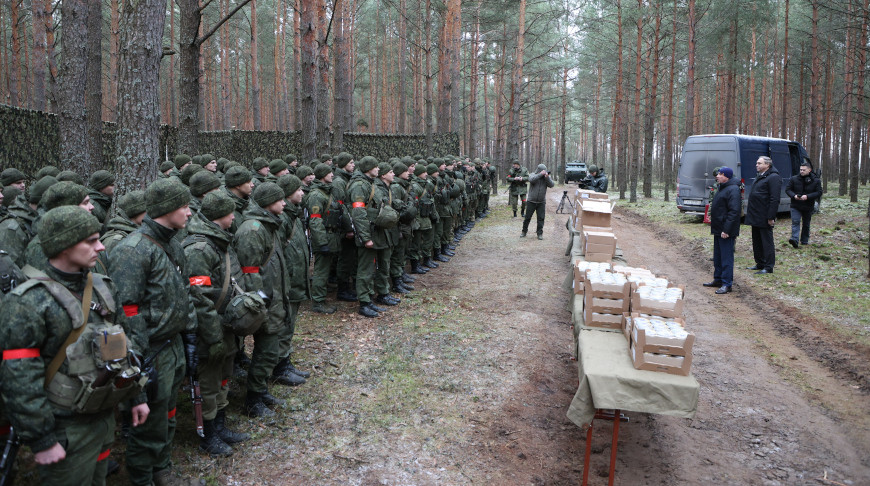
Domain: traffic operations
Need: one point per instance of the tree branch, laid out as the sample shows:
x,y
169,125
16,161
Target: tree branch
x,y
217,26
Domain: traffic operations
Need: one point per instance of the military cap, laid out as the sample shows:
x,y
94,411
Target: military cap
x,y
431,169
236,176
100,180
189,171
399,168
342,159
289,158
408,161
166,165
515,161
304,171
47,170
10,193
64,193
367,163
384,167
206,158
222,163
68,175
65,226
202,182
216,205
320,171
132,203
267,193
592,168
313,163
11,176
164,196
230,164
289,183
39,188
259,163
419,169
277,165
181,160
325,157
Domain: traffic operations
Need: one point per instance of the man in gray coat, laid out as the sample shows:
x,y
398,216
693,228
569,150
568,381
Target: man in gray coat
x,y
536,200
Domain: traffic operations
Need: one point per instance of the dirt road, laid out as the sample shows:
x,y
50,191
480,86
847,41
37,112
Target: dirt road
x,y
468,382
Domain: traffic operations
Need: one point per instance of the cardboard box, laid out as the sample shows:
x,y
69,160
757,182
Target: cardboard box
x,y
596,212
608,291
663,345
581,194
604,321
598,257
656,307
605,306
598,236
675,365
626,325
579,279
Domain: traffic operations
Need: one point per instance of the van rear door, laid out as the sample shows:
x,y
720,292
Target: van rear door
x,y
701,156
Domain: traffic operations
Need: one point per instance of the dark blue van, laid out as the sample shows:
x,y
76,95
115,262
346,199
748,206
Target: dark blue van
x,y
702,154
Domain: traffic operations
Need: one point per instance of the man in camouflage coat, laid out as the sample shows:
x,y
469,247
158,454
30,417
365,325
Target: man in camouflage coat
x,y
17,228
149,269
238,186
324,213
518,178
131,212
69,447
345,267
404,205
209,254
101,189
421,241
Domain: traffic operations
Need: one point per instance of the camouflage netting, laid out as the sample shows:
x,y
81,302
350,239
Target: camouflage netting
x,y
29,140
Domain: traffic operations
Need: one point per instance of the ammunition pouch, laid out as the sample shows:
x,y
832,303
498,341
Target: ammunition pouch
x,y
246,312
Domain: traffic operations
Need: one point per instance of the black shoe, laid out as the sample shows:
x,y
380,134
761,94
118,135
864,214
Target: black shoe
x,y
540,237
407,279
367,311
376,308
212,442
451,248
387,299
714,283
441,258
764,271
287,378
229,436
112,467
255,407
323,308
446,251
282,366
723,289
429,263
297,372
515,213
523,235
794,243
755,267
399,286
344,293
417,268
271,400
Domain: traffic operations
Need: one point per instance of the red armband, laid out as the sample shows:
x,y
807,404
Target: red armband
x,y
20,353
131,310
171,413
359,204
104,455
201,280
250,269
315,215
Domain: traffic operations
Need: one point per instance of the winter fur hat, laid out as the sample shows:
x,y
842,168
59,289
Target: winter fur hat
x,y
164,196
65,226
237,175
64,193
216,205
267,193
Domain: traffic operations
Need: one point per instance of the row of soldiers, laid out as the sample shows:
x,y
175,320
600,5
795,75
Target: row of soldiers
x,y
102,309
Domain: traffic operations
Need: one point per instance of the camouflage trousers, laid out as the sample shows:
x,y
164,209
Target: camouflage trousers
x,y
446,236
267,346
420,246
367,282
214,374
512,201
149,448
382,273
87,442
285,344
346,262
437,230
399,255
320,276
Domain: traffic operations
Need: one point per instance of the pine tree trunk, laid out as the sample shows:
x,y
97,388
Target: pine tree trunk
x,y
783,127
255,71
403,74
94,87
471,147
323,79
517,87
843,174
669,134
859,118
39,60
341,60
649,125
15,64
189,123
428,94
141,29
690,73
637,140
308,61
72,104
619,139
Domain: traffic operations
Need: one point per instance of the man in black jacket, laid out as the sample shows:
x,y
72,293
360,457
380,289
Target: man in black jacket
x,y
804,190
725,226
761,214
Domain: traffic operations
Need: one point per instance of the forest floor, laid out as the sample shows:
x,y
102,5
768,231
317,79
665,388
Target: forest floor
x,y
468,381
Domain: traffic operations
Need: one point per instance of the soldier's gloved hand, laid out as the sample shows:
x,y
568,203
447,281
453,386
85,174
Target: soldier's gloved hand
x,y
324,249
216,350
189,340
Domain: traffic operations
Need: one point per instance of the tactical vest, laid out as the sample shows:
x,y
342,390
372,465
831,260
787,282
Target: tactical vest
x,y
100,373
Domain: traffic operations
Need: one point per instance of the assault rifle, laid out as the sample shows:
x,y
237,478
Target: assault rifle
x,y
7,462
196,398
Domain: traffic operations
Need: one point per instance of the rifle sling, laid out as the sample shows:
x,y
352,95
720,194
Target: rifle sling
x,y
54,364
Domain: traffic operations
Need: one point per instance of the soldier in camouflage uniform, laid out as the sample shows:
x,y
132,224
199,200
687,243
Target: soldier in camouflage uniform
x,y
189,172
202,183
260,167
264,268
209,254
292,163
148,268
518,178
306,175
493,178
101,189
70,444
296,254
61,194
371,241
277,168
421,240
238,186
483,199
324,213
13,177
345,265
17,228
131,212
390,234
165,170
404,205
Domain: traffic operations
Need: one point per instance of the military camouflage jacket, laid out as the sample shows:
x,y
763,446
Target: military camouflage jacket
x,y
363,207
17,229
518,179
419,191
321,206
296,253
384,238
102,205
148,268
241,204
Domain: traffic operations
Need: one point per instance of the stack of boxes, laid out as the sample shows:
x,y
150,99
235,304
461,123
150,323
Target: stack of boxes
x,y
606,299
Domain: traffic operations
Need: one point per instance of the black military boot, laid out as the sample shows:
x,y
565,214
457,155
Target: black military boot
x,y
365,309
344,293
387,299
287,378
408,279
282,366
515,213
451,247
406,284
323,308
271,400
255,407
229,436
445,250
296,371
436,255
399,286
429,263
212,442
417,268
